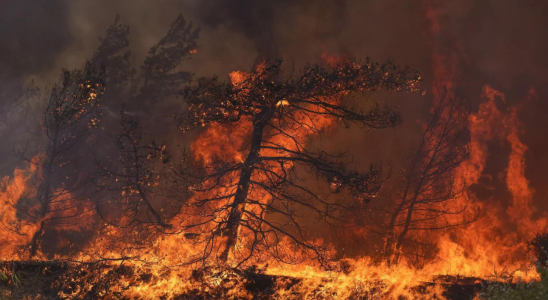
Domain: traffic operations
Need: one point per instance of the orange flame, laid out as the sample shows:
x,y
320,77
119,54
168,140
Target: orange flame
x,y
15,234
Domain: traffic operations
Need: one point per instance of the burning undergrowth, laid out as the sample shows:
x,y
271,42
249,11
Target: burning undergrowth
x,y
107,280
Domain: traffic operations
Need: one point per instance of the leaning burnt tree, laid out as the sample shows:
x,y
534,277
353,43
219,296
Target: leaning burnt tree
x,y
427,192
69,117
255,202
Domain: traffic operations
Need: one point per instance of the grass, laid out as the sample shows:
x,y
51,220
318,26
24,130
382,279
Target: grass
x,y
521,291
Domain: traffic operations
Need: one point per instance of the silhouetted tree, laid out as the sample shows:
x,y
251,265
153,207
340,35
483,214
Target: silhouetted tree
x,y
160,76
161,79
137,179
133,179
69,116
279,111
426,196
71,113
113,55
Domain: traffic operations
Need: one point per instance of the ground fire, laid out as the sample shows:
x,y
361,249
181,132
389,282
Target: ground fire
x,y
142,174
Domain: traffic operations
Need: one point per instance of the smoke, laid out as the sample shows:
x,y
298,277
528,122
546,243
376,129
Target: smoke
x,y
33,33
260,21
498,42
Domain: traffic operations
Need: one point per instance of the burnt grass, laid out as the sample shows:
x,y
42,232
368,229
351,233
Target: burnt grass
x,y
65,280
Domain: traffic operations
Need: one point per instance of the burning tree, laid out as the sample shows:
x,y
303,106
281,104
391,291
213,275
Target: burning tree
x,y
428,194
255,201
133,178
70,115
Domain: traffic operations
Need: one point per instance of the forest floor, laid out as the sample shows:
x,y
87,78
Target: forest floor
x,y
63,280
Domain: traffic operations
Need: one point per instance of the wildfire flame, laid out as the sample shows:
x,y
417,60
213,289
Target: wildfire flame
x,y
484,249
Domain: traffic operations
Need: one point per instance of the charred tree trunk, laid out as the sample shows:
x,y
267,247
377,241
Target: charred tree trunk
x,y
143,194
391,246
410,210
391,236
401,237
153,211
238,204
396,250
